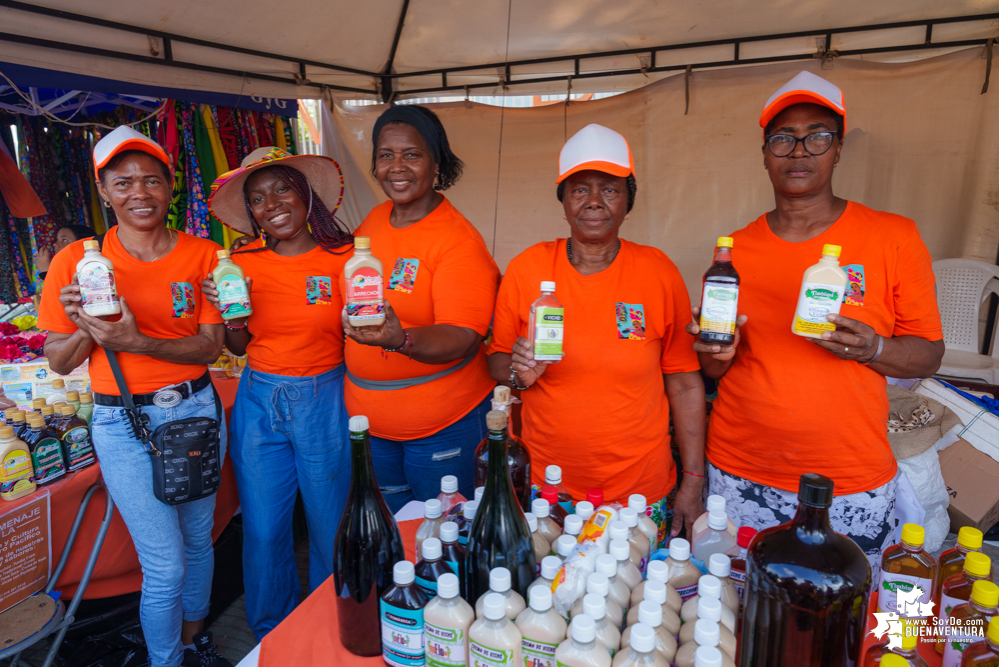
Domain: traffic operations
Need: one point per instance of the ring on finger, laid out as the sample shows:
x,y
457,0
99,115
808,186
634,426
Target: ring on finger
x,y
846,349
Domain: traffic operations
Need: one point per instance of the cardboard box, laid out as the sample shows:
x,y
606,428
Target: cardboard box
x,y
972,480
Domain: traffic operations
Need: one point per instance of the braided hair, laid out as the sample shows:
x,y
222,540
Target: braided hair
x,y
327,231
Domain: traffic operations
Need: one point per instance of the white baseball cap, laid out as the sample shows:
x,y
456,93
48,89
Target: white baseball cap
x,y
805,87
124,138
595,147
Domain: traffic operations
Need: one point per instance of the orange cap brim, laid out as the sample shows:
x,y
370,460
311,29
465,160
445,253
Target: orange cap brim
x,y
149,147
792,97
611,168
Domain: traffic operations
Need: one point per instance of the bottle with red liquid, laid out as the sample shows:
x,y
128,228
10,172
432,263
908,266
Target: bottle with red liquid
x,y
738,573
519,460
553,477
558,513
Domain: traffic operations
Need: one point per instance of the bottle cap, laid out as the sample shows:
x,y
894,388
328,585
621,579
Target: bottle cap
x,y
47,410
597,583
606,565
893,660
471,507
994,630
18,416
67,410
643,638
432,509
815,490
706,633
655,591
719,565
745,535
499,580
501,394
540,508
619,549
447,585
541,599
550,566
595,496
547,285
584,510
479,490
983,593
403,573
553,475
573,525
595,606
362,242
717,520
532,521
431,548
73,395
715,502
708,586
223,254
650,613
91,244
449,484
494,606
584,628
618,530
57,406
724,241
636,501
629,517
978,564
969,538
37,403
679,549
657,570
495,420
831,250
6,431
910,638
709,608
549,493
564,545
710,656
58,383
357,424
913,534
449,532
86,397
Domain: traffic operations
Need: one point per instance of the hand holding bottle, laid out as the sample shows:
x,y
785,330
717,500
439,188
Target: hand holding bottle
x,y
211,292
717,352
389,335
522,361
852,340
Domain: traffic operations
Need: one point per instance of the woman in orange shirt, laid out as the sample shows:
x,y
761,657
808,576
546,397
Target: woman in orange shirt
x,y
789,405
421,377
601,413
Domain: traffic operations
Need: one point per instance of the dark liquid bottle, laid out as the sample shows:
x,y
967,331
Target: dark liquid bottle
x,y
401,618
47,455
499,536
367,546
519,462
452,552
720,298
806,589
75,436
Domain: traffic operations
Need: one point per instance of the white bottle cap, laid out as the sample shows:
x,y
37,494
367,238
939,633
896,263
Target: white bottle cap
x,y
618,530
584,510
471,507
573,525
594,605
584,628
620,550
540,508
547,285
564,545
479,490
532,521
494,607
597,583
449,532
449,484
707,656
679,549
717,520
629,517
706,633
447,585
655,591
709,608
550,566
541,599
432,509
499,580
431,548
357,424
403,573
715,503
650,613
553,474
658,570
606,565
643,638
636,501
708,586
720,565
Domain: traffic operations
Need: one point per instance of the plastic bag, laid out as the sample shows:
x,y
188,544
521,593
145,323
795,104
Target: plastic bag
x,y
922,487
570,582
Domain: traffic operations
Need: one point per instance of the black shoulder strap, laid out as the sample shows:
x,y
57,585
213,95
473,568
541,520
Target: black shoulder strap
x,y
138,428
100,245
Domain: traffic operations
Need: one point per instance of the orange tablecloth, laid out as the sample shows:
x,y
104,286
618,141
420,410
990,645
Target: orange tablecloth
x,y
117,570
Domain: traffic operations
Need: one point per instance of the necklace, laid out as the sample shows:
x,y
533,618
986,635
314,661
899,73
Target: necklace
x,y
568,248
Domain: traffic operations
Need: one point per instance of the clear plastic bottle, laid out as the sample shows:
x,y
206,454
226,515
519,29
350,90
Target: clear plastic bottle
x,y
16,473
822,291
493,639
970,620
541,546
908,653
582,649
720,565
598,584
431,526
550,566
564,545
557,512
658,570
451,500
951,561
905,566
683,574
549,530
401,612
655,593
708,656
651,614
86,410
712,504
618,530
542,629
706,633
716,539
58,394
230,281
500,583
553,477
626,570
73,398
608,632
98,288
364,286
573,526
546,325
708,586
636,537
469,510
619,592
956,590
712,610
585,509
641,651
986,653
649,528
446,622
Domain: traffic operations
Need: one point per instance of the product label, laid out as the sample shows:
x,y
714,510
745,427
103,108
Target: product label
x,y
403,275
16,471
687,592
79,448
630,320
47,460
427,586
739,581
445,646
234,300
402,636
365,295
961,638
484,656
718,308
453,564
538,654
319,290
97,286
548,329
947,604
815,302
892,583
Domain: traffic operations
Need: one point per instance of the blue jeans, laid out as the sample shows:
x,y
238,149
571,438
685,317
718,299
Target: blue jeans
x,y
289,435
174,542
412,469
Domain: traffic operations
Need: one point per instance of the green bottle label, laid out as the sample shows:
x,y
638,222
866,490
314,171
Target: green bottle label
x,y
445,646
47,461
79,447
549,324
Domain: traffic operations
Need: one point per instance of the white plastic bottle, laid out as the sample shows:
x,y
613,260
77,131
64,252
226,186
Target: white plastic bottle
x,y
641,651
431,526
619,593
541,546
713,503
585,509
546,525
649,528
493,639
626,570
58,392
650,614
716,539
572,525
546,325
822,290
710,609
449,496
683,575
658,571
542,629
705,634
608,632
655,593
549,570
707,587
499,582
98,288
720,565
563,546
708,656
618,530
636,537
598,584
582,649
446,622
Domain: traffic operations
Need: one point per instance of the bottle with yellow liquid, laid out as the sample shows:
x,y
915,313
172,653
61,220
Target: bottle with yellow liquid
x,y
968,622
956,589
986,653
364,286
822,290
16,474
906,566
230,281
951,562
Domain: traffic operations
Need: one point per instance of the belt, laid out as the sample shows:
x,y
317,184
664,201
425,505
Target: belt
x,y
391,385
147,399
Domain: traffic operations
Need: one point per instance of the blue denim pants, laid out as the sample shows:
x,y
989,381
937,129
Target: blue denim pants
x,y
289,435
412,469
174,542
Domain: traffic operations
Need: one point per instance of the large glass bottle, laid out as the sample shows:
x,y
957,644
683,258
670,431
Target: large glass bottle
x,y
519,462
499,536
367,547
806,589
720,298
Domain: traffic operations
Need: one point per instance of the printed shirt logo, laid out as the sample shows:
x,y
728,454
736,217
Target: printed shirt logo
x,y
319,290
855,286
404,275
630,320
183,299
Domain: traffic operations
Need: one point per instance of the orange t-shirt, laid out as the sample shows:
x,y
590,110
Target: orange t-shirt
x,y
788,407
601,413
297,307
165,297
437,271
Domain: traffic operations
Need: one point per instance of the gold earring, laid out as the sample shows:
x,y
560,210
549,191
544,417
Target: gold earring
x,y
309,227
107,204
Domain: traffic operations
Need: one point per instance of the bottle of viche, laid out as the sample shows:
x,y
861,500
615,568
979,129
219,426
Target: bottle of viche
x,y
494,640
683,575
549,530
550,566
74,434
956,590
636,501
58,394
651,614
98,288
658,571
364,286
714,503
641,651
706,633
16,473
608,632
541,547
719,303
986,653
86,411
626,570
452,552
582,649
712,610
720,566
542,629
655,594
905,566
446,623
708,586
500,583
822,290
546,325
431,567
431,526
598,584
969,621
401,610
908,654
230,281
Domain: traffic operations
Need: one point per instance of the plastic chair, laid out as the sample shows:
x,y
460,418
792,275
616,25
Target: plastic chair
x,y
62,619
963,285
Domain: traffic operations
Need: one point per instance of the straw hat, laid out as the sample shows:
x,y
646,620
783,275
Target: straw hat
x,y
596,147
804,87
226,201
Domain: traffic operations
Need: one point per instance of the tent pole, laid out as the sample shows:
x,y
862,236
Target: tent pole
x,y
386,79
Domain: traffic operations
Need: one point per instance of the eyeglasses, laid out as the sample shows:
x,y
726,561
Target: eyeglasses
x,y
817,143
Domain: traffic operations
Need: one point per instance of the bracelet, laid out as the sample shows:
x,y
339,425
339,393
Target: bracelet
x,y
687,472
405,343
232,328
513,380
881,347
